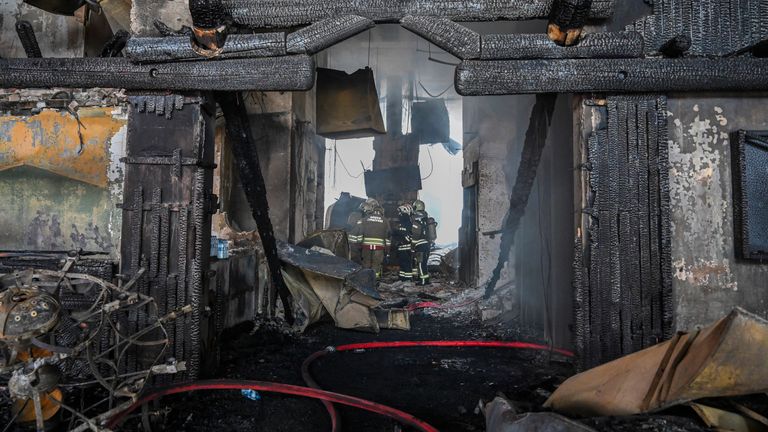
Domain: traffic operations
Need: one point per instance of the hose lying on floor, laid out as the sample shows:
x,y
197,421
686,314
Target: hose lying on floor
x,y
336,425
384,410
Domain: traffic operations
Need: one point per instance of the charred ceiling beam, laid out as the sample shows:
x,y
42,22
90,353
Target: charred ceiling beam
x,y
28,39
244,148
268,74
498,77
179,48
454,38
326,33
538,46
289,13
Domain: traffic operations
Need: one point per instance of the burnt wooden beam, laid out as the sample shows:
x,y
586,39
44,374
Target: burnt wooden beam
x,y
239,134
454,38
28,39
538,46
267,74
179,48
289,13
499,77
566,21
533,148
326,33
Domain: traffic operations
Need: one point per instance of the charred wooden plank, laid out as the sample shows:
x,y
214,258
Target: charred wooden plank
x,y
454,38
538,46
245,152
179,48
497,77
326,33
28,39
268,74
289,13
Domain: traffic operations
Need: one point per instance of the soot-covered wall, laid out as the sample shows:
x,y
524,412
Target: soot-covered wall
x,y
708,280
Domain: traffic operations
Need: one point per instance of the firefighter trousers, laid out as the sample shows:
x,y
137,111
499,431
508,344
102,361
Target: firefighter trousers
x,y
405,261
421,272
373,259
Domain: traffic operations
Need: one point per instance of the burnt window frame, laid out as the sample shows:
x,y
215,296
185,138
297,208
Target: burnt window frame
x,y
741,200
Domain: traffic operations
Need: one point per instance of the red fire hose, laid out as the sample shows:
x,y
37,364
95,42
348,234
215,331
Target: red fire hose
x,y
326,396
336,425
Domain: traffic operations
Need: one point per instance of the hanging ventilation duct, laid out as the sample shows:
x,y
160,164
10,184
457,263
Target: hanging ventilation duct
x,y
347,105
429,121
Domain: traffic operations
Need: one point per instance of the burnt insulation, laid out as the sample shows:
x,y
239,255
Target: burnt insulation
x,y
179,48
714,27
622,280
244,149
28,39
454,38
533,147
287,73
499,77
538,46
321,35
289,13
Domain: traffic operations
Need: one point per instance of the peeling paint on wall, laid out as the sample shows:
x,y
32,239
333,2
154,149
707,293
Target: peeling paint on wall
x,y
707,279
60,191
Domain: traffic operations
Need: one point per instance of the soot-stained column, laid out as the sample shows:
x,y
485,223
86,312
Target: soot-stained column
x,y
244,149
167,219
623,297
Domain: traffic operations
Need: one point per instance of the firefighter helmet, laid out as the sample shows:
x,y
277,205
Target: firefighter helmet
x,y
369,205
418,206
405,209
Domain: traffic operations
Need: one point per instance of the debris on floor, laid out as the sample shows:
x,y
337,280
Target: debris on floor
x,y
725,359
322,283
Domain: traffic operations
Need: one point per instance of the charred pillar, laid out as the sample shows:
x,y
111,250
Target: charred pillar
x,y
167,219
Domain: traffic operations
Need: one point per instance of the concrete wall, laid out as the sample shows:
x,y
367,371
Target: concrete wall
x,y
708,280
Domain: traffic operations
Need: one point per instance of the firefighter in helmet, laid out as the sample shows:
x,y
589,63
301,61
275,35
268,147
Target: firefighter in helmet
x,y
402,242
372,233
423,235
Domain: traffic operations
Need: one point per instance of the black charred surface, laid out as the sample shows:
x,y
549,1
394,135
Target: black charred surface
x,y
268,74
207,14
570,14
252,179
538,46
115,45
533,146
289,13
629,280
28,39
321,35
498,77
454,38
166,220
715,27
179,48
676,47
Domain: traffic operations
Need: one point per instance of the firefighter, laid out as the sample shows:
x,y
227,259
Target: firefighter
x,y
423,235
402,241
372,233
355,253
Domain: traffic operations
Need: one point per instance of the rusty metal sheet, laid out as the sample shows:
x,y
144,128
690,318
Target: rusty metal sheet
x,y
725,359
56,141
